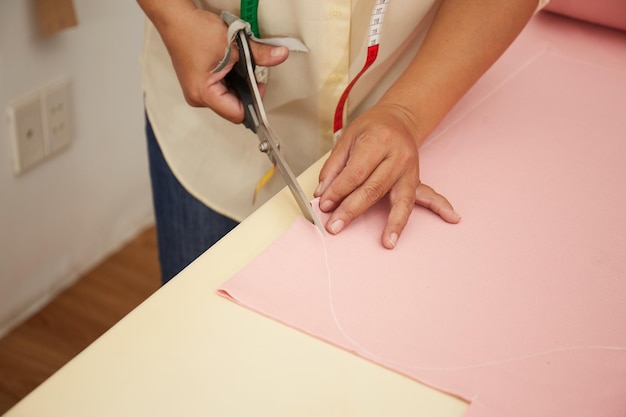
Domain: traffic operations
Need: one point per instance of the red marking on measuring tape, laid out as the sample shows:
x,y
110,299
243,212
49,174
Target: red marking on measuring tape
x,y
372,53
376,23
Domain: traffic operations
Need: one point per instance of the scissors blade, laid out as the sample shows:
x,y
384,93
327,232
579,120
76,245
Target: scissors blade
x,y
256,120
274,153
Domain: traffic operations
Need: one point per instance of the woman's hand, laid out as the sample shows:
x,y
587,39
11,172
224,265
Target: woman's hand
x,y
378,154
196,40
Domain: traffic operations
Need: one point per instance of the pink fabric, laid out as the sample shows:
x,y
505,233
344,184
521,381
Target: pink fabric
x,y
521,308
611,13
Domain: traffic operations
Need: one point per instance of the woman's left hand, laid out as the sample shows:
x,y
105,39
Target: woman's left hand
x,y
377,155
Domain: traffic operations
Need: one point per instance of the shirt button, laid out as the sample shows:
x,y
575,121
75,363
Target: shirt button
x,y
335,12
329,134
334,79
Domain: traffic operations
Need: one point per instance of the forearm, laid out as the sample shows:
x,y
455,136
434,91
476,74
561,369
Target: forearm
x,y
166,14
466,37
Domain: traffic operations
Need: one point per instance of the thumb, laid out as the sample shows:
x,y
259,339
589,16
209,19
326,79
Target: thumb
x,y
268,55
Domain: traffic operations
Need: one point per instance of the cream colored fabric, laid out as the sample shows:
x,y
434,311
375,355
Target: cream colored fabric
x,y
219,162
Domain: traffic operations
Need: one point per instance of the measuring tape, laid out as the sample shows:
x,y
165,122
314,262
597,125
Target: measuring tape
x,y
249,13
376,24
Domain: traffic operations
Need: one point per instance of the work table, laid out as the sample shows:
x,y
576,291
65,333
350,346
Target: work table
x,y
188,351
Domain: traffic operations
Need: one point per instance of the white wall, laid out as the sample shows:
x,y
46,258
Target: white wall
x,y
62,217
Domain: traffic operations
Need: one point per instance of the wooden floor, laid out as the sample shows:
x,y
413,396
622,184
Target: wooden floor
x,y
36,349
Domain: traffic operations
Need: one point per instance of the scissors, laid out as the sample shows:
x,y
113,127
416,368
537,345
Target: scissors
x,y
243,81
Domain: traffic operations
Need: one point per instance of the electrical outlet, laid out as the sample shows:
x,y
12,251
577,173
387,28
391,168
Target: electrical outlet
x,y
41,125
56,115
27,131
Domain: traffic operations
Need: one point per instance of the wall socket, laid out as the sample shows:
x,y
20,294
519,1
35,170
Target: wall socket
x,y
27,132
40,125
56,117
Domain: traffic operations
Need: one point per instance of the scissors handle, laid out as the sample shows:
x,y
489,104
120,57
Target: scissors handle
x,y
238,81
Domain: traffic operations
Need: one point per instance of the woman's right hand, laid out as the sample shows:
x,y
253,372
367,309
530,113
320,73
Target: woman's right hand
x,y
196,40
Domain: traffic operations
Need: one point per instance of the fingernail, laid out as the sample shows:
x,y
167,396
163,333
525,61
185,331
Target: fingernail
x,y
279,51
449,215
326,205
318,190
336,226
393,240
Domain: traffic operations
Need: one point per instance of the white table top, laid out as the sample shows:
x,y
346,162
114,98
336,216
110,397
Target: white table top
x,y
187,351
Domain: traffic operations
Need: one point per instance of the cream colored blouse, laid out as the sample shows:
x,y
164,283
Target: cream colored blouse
x,y
219,162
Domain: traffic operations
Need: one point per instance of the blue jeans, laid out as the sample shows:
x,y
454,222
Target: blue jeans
x,y
185,226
